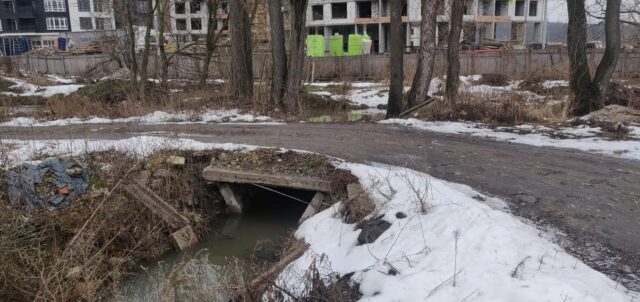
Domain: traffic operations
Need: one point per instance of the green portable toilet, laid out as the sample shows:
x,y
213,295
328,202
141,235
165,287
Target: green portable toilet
x,y
336,45
355,44
315,46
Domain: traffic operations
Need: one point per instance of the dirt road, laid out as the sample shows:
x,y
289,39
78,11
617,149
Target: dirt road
x,y
593,200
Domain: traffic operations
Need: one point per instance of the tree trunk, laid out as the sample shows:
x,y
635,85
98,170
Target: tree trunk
x,y
587,94
453,51
241,56
278,52
164,63
133,62
296,59
212,6
610,58
426,57
396,48
580,78
147,47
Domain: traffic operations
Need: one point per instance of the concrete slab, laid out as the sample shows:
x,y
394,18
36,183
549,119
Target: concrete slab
x,y
276,180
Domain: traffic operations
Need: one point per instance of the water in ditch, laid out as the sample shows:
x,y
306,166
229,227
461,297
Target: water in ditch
x,y
193,275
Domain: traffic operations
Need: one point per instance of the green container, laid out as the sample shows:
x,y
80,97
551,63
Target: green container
x,y
336,45
355,44
315,46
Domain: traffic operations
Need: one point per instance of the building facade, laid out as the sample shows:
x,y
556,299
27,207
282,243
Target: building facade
x,y
521,22
29,24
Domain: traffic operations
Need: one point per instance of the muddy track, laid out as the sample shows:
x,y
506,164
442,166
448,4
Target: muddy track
x,y
593,200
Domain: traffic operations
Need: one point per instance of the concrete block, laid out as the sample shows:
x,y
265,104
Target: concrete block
x,y
184,237
232,197
313,207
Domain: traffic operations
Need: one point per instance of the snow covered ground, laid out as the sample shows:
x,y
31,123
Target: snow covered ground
x,y
158,117
583,138
374,94
493,255
27,89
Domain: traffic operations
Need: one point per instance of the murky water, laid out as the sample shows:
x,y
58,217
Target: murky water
x,y
268,217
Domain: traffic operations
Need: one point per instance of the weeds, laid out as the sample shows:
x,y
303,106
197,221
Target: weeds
x,y
493,79
505,108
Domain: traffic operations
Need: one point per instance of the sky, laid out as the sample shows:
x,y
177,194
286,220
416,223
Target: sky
x,y
557,10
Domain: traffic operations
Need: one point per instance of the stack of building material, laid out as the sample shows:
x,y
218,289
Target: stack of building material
x,y
496,44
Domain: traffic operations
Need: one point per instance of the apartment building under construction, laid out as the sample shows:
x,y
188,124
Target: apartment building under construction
x,y
520,23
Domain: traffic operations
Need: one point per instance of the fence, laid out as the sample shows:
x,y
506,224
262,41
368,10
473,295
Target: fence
x,y
368,67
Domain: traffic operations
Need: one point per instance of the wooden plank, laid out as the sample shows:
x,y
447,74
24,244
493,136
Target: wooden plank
x,y
276,180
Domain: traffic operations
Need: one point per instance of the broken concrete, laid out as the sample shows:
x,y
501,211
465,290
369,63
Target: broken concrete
x,y
176,160
232,197
185,237
313,207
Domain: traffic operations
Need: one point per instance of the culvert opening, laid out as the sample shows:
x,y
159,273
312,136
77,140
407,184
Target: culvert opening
x,y
285,202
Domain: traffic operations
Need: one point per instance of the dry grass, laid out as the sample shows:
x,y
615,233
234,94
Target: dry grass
x,y
42,262
505,108
116,99
493,79
84,251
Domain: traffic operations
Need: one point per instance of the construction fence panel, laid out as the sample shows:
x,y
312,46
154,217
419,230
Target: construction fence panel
x,y
515,64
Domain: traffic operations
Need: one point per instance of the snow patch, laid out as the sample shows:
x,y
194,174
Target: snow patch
x,y
499,257
582,138
28,89
157,117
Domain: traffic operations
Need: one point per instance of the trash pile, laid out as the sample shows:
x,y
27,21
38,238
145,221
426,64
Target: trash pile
x,y
53,183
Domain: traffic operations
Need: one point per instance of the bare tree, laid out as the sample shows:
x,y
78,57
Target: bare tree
x,y
427,55
211,40
453,50
151,9
278,51
588,94
241,49
163,10
396,49
131,40
296,59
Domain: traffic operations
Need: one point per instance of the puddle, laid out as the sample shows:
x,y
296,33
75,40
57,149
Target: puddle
x,y
267,217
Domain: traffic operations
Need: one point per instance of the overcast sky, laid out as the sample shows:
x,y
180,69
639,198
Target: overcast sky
x,y
557,10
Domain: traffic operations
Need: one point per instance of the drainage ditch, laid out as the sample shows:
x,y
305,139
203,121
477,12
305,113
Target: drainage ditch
x,y
253,234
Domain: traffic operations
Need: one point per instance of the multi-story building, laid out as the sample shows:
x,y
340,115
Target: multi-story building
x,y
523,22
27,24
90,19
188,19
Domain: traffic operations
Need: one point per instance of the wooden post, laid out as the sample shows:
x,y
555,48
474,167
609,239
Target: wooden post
x,y
64,66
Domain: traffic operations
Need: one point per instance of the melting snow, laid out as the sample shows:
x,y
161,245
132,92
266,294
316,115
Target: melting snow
x,y
158,117
582,137
499,257
28,89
